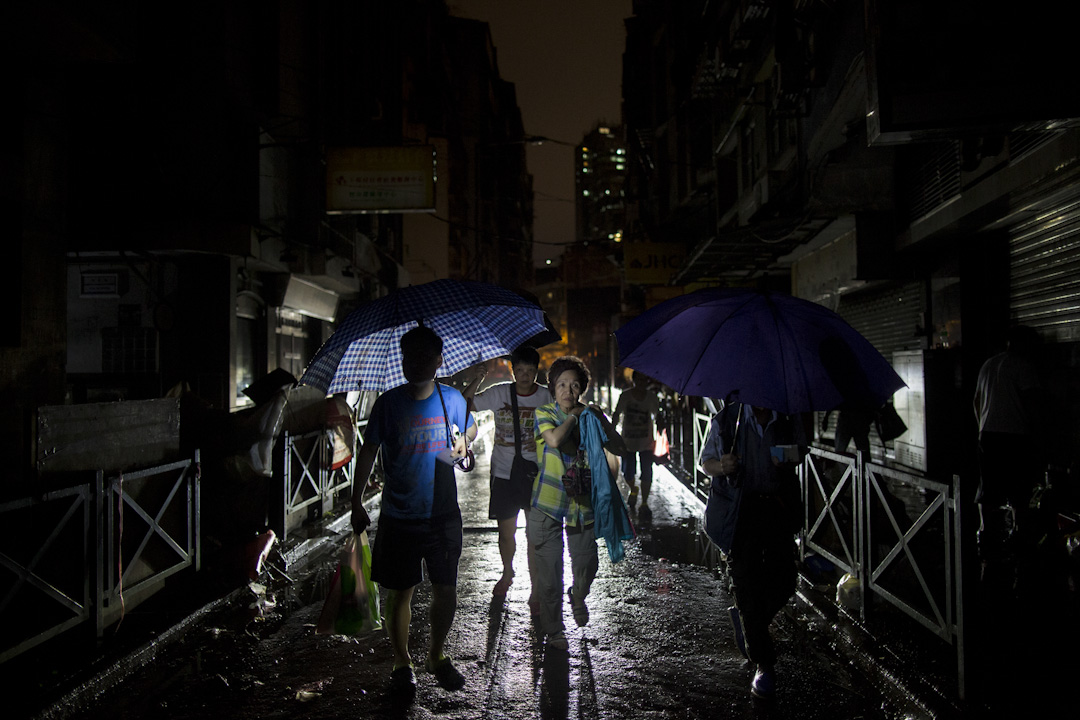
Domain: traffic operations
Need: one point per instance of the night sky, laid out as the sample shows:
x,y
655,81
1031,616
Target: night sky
x,y
565,59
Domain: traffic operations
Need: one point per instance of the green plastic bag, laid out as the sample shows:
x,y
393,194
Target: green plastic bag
x,y
352,605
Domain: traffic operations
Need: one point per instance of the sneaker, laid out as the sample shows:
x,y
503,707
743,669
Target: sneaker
x,y
764,684
446,675
631,499
581,613
403,683
736,623
557,641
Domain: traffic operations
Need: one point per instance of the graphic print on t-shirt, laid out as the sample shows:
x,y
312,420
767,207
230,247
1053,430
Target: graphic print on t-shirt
x,y
422,434
504,427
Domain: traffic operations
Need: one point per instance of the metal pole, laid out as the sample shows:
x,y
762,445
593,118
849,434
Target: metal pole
x,y
198,511
958,575
99,550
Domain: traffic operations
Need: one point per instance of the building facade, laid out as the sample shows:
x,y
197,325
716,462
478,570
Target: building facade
x,y
832,151
174,219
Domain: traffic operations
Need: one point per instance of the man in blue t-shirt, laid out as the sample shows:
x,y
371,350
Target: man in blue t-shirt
x,y
420,521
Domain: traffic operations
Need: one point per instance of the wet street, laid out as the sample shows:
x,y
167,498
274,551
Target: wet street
x,y
658,645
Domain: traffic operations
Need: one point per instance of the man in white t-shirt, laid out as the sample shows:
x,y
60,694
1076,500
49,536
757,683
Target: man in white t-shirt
x,y
637,409
1010,406
509,496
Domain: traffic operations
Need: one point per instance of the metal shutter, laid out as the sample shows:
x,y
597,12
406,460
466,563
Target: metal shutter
x,y
1044,267
887,315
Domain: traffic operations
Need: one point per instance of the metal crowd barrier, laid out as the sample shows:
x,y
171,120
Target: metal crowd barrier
x,y
306,486
831,523
148,529
46,546
122,535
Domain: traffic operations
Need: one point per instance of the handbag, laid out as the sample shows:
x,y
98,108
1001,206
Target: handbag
x,y
522,471
889,423
352,604
577,480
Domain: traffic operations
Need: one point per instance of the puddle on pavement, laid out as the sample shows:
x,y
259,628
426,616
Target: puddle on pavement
x,y
684,543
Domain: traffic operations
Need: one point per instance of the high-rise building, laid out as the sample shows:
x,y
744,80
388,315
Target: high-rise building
x,y
600,172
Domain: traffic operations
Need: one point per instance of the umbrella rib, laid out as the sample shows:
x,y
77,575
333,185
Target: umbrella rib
x,y
780,346
799,364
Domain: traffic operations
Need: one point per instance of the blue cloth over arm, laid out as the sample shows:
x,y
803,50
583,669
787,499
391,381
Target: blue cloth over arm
x,y
612,520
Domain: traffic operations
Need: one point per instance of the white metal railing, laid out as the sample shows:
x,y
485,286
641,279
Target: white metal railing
x,y
850,518
122,533
46,597
148,530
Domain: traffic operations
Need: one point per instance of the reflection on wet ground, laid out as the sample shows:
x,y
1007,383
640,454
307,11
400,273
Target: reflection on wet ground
x,y
658,645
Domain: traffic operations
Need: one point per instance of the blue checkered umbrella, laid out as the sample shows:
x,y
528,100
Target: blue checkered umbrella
x,y
476,321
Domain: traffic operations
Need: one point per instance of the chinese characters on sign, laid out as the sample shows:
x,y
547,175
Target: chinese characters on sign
x,y
382,179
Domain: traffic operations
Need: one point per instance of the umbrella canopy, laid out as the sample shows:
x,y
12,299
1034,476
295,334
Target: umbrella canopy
x,y
550,333
476,321
762,348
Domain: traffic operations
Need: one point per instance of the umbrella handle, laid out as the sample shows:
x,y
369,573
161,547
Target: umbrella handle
x,y
733,480
466,463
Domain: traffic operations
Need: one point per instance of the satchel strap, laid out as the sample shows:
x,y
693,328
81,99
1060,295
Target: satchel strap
x,y
517,419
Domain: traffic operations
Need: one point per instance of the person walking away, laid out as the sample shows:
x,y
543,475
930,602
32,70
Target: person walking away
x,y
416,427
1009,402
638,409
514,406
753,513
553,510
852,424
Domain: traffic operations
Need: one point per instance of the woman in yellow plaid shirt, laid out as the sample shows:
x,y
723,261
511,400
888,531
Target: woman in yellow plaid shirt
x,y
553,510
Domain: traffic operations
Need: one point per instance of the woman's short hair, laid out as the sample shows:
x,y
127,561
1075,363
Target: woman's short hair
x,y
568,362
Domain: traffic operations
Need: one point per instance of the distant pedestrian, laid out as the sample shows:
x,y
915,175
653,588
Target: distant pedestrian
x,y
514,405
1010,407
752,515
638,408
416,426
852,425
558,438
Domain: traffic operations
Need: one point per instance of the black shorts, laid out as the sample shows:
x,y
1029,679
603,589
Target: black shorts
x,y
402,547
508,497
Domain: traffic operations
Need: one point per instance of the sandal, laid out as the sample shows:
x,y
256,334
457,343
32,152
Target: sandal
x,y
502,586
446,674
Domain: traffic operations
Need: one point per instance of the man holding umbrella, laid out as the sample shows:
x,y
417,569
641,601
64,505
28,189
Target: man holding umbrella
x,y
416,426
752,515
772,357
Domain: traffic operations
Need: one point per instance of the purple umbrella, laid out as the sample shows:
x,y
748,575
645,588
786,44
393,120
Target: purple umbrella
x,y
762,348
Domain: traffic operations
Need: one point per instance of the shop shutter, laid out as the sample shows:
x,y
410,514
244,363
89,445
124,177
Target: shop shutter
x,y
887,315
1044,267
